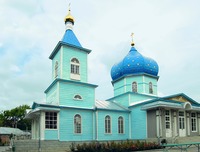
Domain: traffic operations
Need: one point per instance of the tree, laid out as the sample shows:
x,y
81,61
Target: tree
x,y
15,118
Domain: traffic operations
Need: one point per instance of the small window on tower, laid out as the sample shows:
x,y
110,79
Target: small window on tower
x,y
56,69
77,97
75,66
134,86
150,88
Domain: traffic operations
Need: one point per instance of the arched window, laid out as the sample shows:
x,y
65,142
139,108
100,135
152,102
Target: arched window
x,y
150,88
134,86
107,124
75,66
56,69
120,125
77,124
77,97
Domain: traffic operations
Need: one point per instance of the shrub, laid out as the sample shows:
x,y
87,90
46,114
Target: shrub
x,y
124,146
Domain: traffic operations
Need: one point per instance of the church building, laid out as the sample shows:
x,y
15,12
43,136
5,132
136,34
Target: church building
x,y
71,112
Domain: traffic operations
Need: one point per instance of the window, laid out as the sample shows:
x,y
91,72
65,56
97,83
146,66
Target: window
x,y
51,120
75,66
194,121
134,86
167,119
150,88
77,97
56,69
77,124
107,125
120,125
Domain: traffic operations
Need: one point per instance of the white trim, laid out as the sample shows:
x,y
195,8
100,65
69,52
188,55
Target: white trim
x,y
42,123
144,87
93,126
146,126
175,124
58,124
58,94
77,98
118,125
105,125
130,128
157,123
195,120
125,84
74,126
97,125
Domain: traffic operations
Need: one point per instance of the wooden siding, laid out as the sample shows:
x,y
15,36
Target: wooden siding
x,y
122,100
51,134
138,123
114,135
67,92
67,125
68,54
57,58
52,95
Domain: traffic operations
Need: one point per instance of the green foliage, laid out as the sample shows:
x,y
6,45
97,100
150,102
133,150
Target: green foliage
x,y
124,146
15,118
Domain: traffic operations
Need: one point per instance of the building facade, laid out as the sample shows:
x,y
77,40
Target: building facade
x,y
71,112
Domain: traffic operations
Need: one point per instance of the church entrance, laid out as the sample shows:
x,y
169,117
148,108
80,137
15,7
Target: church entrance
x,y
182,130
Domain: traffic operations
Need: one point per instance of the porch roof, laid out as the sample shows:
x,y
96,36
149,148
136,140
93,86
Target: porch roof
x,y
172,105
36,111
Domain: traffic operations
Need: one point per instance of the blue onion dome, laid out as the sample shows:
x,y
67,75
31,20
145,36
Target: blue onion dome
x,y
134,63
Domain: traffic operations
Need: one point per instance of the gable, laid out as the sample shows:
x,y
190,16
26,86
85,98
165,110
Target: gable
x,y
182,98
179,98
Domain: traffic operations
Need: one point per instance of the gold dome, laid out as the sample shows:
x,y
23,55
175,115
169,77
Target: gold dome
x,y
69,18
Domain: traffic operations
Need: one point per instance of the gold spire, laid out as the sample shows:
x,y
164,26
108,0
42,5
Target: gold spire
x,y
69,17
132,43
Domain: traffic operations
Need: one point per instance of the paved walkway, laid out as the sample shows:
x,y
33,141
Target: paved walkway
x,y
3,148
191,149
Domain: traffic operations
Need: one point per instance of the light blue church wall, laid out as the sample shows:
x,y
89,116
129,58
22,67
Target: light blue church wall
x,y
122,99
51,134
66,125
67,91
118,87
67,54
148,79
138,123
135,97
130,80
114,135
52,95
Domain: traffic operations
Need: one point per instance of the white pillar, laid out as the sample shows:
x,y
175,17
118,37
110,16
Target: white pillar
x,y
188,123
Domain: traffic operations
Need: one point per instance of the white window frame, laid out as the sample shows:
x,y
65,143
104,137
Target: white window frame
x,y
75,66
108,125
120,125
77,125
193,122
134,87
78,97
51,120
150,87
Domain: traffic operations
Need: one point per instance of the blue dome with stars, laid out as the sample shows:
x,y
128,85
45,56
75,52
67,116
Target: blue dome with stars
x,y
134,63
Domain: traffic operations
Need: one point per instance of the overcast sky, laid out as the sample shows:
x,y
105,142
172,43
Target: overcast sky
x,y
167,31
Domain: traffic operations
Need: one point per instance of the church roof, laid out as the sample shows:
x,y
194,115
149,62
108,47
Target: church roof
x,y
70,38
109,105
134,63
